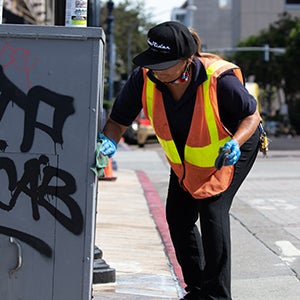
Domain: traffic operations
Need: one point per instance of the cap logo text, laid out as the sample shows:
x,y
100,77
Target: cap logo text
x,y
157,45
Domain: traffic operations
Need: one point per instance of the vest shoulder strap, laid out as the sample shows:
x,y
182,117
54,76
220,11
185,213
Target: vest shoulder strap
x,y
215,67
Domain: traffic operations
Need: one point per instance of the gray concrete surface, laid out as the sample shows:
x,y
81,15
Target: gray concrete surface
x,y
265,230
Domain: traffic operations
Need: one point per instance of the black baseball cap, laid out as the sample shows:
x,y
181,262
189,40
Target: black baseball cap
x,y
168,42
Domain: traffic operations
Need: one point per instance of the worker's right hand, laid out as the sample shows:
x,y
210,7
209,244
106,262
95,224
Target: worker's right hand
x,y
108,146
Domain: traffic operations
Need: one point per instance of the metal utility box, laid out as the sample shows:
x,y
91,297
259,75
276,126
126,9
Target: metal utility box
x,y
51,81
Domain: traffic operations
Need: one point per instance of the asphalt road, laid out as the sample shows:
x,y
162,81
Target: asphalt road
x,y
265,222
267,205
284,143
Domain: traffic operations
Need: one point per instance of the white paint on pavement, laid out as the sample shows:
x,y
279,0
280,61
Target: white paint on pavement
x,y
288,251
272,204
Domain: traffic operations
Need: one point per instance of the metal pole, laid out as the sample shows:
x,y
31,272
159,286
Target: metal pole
x,y
97,12
94,13
59,12
266,52
110,32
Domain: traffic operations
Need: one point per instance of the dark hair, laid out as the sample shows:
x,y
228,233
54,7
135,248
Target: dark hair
x,y
199,52
197,40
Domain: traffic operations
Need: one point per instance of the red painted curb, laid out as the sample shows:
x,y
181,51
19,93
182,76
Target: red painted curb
x,y
157,209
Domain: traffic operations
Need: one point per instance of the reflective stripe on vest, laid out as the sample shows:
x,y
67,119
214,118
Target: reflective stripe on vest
x,y
201,156
196,173
197,156
167,145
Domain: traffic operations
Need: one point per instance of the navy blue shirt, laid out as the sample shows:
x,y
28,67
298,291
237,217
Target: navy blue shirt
x,y
234,102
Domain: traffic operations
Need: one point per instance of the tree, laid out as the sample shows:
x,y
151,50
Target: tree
x,y
131,24
253,63
292,75
281,71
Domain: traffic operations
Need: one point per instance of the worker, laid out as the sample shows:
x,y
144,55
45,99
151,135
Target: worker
x,y
197,104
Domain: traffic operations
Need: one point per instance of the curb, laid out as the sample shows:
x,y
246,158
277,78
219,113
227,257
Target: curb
x,y
157,211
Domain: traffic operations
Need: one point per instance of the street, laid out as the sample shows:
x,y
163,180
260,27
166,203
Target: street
x,y
267,206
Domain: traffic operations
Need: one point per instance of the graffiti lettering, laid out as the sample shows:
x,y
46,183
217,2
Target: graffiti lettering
x,y
32,241
63,108
29,185
18,58
3,145
47,189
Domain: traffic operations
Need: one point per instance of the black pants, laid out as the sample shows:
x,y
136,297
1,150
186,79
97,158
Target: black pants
x,y
206,259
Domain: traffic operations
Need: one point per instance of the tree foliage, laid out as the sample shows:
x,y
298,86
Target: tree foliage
x,y
131,24
293,75
253,63
281,70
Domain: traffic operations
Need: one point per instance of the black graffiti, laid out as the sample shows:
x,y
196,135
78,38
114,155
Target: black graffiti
x,y
3,145
63,108
40,192
30,240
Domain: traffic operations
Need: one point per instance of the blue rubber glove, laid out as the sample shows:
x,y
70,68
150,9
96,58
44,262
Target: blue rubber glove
x,y
108,146
234,152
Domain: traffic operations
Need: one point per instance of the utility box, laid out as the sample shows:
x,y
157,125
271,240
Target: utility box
x,y
51,85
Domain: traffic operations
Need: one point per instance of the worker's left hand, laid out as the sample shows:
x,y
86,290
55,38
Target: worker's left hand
x,y
234,152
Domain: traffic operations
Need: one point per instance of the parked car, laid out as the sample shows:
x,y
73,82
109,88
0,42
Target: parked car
x,y
277,128
145,131
272,127
130,135
140,132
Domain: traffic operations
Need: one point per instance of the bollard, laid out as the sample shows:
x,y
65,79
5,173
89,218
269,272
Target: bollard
x,y
103,273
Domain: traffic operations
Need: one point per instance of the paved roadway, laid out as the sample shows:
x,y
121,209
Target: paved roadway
x,y
267,206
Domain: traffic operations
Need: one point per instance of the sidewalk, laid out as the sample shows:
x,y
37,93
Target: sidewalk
x,y
133,236
128,237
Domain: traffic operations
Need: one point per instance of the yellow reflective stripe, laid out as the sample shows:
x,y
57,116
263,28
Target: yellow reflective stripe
x,y
216,65
198,156
168,146
204,156
149,97
170,150
209,112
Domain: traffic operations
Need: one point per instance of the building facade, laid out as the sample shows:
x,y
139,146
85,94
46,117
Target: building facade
x,y
223,23
37,12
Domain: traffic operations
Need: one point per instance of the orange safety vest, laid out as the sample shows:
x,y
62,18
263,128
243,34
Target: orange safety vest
x,y
196,173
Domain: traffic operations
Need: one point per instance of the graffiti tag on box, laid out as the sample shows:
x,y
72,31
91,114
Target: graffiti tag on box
x,y
36,182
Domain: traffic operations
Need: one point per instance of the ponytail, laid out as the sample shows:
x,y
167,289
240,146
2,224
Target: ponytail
x,y
197,41
199,52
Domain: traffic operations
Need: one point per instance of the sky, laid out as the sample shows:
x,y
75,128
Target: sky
x,y
160,9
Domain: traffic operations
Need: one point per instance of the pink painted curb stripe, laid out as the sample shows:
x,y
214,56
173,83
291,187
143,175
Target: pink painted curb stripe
x,y
157,210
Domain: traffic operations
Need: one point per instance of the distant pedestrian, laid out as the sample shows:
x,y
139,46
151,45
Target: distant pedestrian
x,y
197,104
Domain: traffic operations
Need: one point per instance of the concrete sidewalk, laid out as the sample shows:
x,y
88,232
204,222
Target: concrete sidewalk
x,y
131,244
134,240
